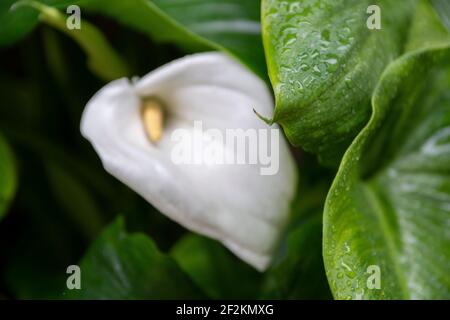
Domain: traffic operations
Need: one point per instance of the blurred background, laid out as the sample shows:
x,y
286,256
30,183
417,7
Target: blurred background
x,y
65,199
64,196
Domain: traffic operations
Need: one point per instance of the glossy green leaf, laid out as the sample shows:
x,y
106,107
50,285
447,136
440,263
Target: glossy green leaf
x,y
324,63
389,206
123,266
8,178
228,25
218,272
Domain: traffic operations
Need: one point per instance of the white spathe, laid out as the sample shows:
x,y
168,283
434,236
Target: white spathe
x,y
234,204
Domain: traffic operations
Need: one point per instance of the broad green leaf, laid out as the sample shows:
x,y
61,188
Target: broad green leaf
x,y
218,272
229,25
123,266
389,206
101,57
324,63
8,178
442,8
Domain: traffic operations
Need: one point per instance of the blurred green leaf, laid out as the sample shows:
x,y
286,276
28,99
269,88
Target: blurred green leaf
x,y
102,59
229,25
123,266
442,8
214,269
426,29
41,240
298,272
15,24
8,176
324,63
75,199
390,202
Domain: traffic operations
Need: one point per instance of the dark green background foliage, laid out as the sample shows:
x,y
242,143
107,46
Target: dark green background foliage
x,y
65,200
372,105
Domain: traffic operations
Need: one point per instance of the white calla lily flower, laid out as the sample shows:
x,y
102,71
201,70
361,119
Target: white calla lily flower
x,y
233,203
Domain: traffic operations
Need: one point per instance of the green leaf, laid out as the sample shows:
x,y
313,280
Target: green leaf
x,y
17,23
197,25
232,26
389,205
8,177
75,199
442,8
298,272
123,266
426,29
218,272
41,242
324,63
102,59
229,25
